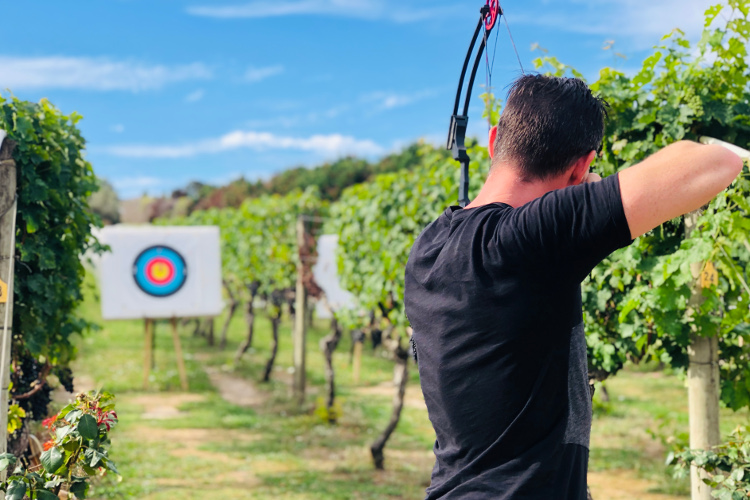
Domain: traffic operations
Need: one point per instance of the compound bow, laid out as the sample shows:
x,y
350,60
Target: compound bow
x,y
489,14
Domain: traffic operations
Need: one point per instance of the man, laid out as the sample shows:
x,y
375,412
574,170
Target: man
x,y
493,291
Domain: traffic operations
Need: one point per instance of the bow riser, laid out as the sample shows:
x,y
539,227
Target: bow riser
x,y
488,16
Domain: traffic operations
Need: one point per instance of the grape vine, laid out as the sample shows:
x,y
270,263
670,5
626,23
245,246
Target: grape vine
x,y
259,252
54,226
636,301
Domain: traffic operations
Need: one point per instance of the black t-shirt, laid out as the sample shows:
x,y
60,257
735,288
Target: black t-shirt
x,y
493,295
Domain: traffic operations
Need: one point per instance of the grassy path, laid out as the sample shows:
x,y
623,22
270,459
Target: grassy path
x,y
234,438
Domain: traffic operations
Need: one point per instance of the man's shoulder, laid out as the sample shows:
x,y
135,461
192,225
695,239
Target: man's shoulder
x,y
434,229
452,237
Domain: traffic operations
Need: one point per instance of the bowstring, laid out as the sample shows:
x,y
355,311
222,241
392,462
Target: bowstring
x,y
488,78
494,52
488,72
511,39
491,65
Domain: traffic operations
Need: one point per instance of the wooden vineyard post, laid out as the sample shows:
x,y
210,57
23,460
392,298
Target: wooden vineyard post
x,y
180,357
8,210
300,325
148,358
703,383
357,364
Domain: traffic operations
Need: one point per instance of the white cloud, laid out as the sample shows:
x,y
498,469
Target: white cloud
x,y
195,96
289,121
641,22
84,73
366,104
327,145
118,128
254,75
361,9
391,100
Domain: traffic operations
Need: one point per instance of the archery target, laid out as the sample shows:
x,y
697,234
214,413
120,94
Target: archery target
x,y
156,272
160,271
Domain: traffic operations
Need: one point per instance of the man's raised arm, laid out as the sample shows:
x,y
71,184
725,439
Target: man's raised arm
x,y
678,179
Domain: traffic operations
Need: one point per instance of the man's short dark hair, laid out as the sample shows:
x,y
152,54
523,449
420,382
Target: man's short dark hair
x,y
547,124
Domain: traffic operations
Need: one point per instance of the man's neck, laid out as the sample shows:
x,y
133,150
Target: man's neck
x,y
504,185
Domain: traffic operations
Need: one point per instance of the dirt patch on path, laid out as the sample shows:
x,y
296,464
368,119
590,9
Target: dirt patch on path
x,y
186,446
165,406
185,443
412,399
192,438
622,485
236,390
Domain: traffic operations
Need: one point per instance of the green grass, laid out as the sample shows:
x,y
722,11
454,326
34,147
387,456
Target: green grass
x,y
645,409
215,449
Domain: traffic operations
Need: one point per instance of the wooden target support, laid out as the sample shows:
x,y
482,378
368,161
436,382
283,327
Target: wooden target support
x,y
148,359
148,351
180,357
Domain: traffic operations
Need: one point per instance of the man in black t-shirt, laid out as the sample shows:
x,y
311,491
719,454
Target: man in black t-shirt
x,y
493,291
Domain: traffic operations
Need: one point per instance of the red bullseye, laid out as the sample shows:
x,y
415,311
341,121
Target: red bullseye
x,y
160,271
491,17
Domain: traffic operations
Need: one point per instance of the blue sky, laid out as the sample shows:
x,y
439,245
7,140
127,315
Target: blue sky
x,y
173,90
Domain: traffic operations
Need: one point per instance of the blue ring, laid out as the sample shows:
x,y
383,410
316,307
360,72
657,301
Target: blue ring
x,y
172,286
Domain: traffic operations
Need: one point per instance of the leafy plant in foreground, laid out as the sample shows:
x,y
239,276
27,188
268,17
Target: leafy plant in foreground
x,y
727,466
76,452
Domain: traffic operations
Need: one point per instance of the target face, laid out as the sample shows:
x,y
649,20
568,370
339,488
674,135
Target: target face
x,y
160,271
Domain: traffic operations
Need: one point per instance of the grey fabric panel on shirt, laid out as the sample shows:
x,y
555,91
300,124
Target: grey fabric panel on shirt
x,y
578,429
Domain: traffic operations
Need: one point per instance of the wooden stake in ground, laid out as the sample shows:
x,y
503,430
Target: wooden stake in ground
x,y
357,361
148,356
300,326
178,353
8,211
703,382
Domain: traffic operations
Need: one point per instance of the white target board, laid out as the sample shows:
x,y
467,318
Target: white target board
x,y
156,272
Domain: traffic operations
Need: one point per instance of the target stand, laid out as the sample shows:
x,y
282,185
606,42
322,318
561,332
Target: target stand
x,y
157,273
148,361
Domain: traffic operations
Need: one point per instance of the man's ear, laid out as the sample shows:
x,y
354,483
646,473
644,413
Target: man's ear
x,y
580,169
491,145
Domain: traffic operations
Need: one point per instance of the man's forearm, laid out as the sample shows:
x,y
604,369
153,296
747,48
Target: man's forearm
x,y
678,179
